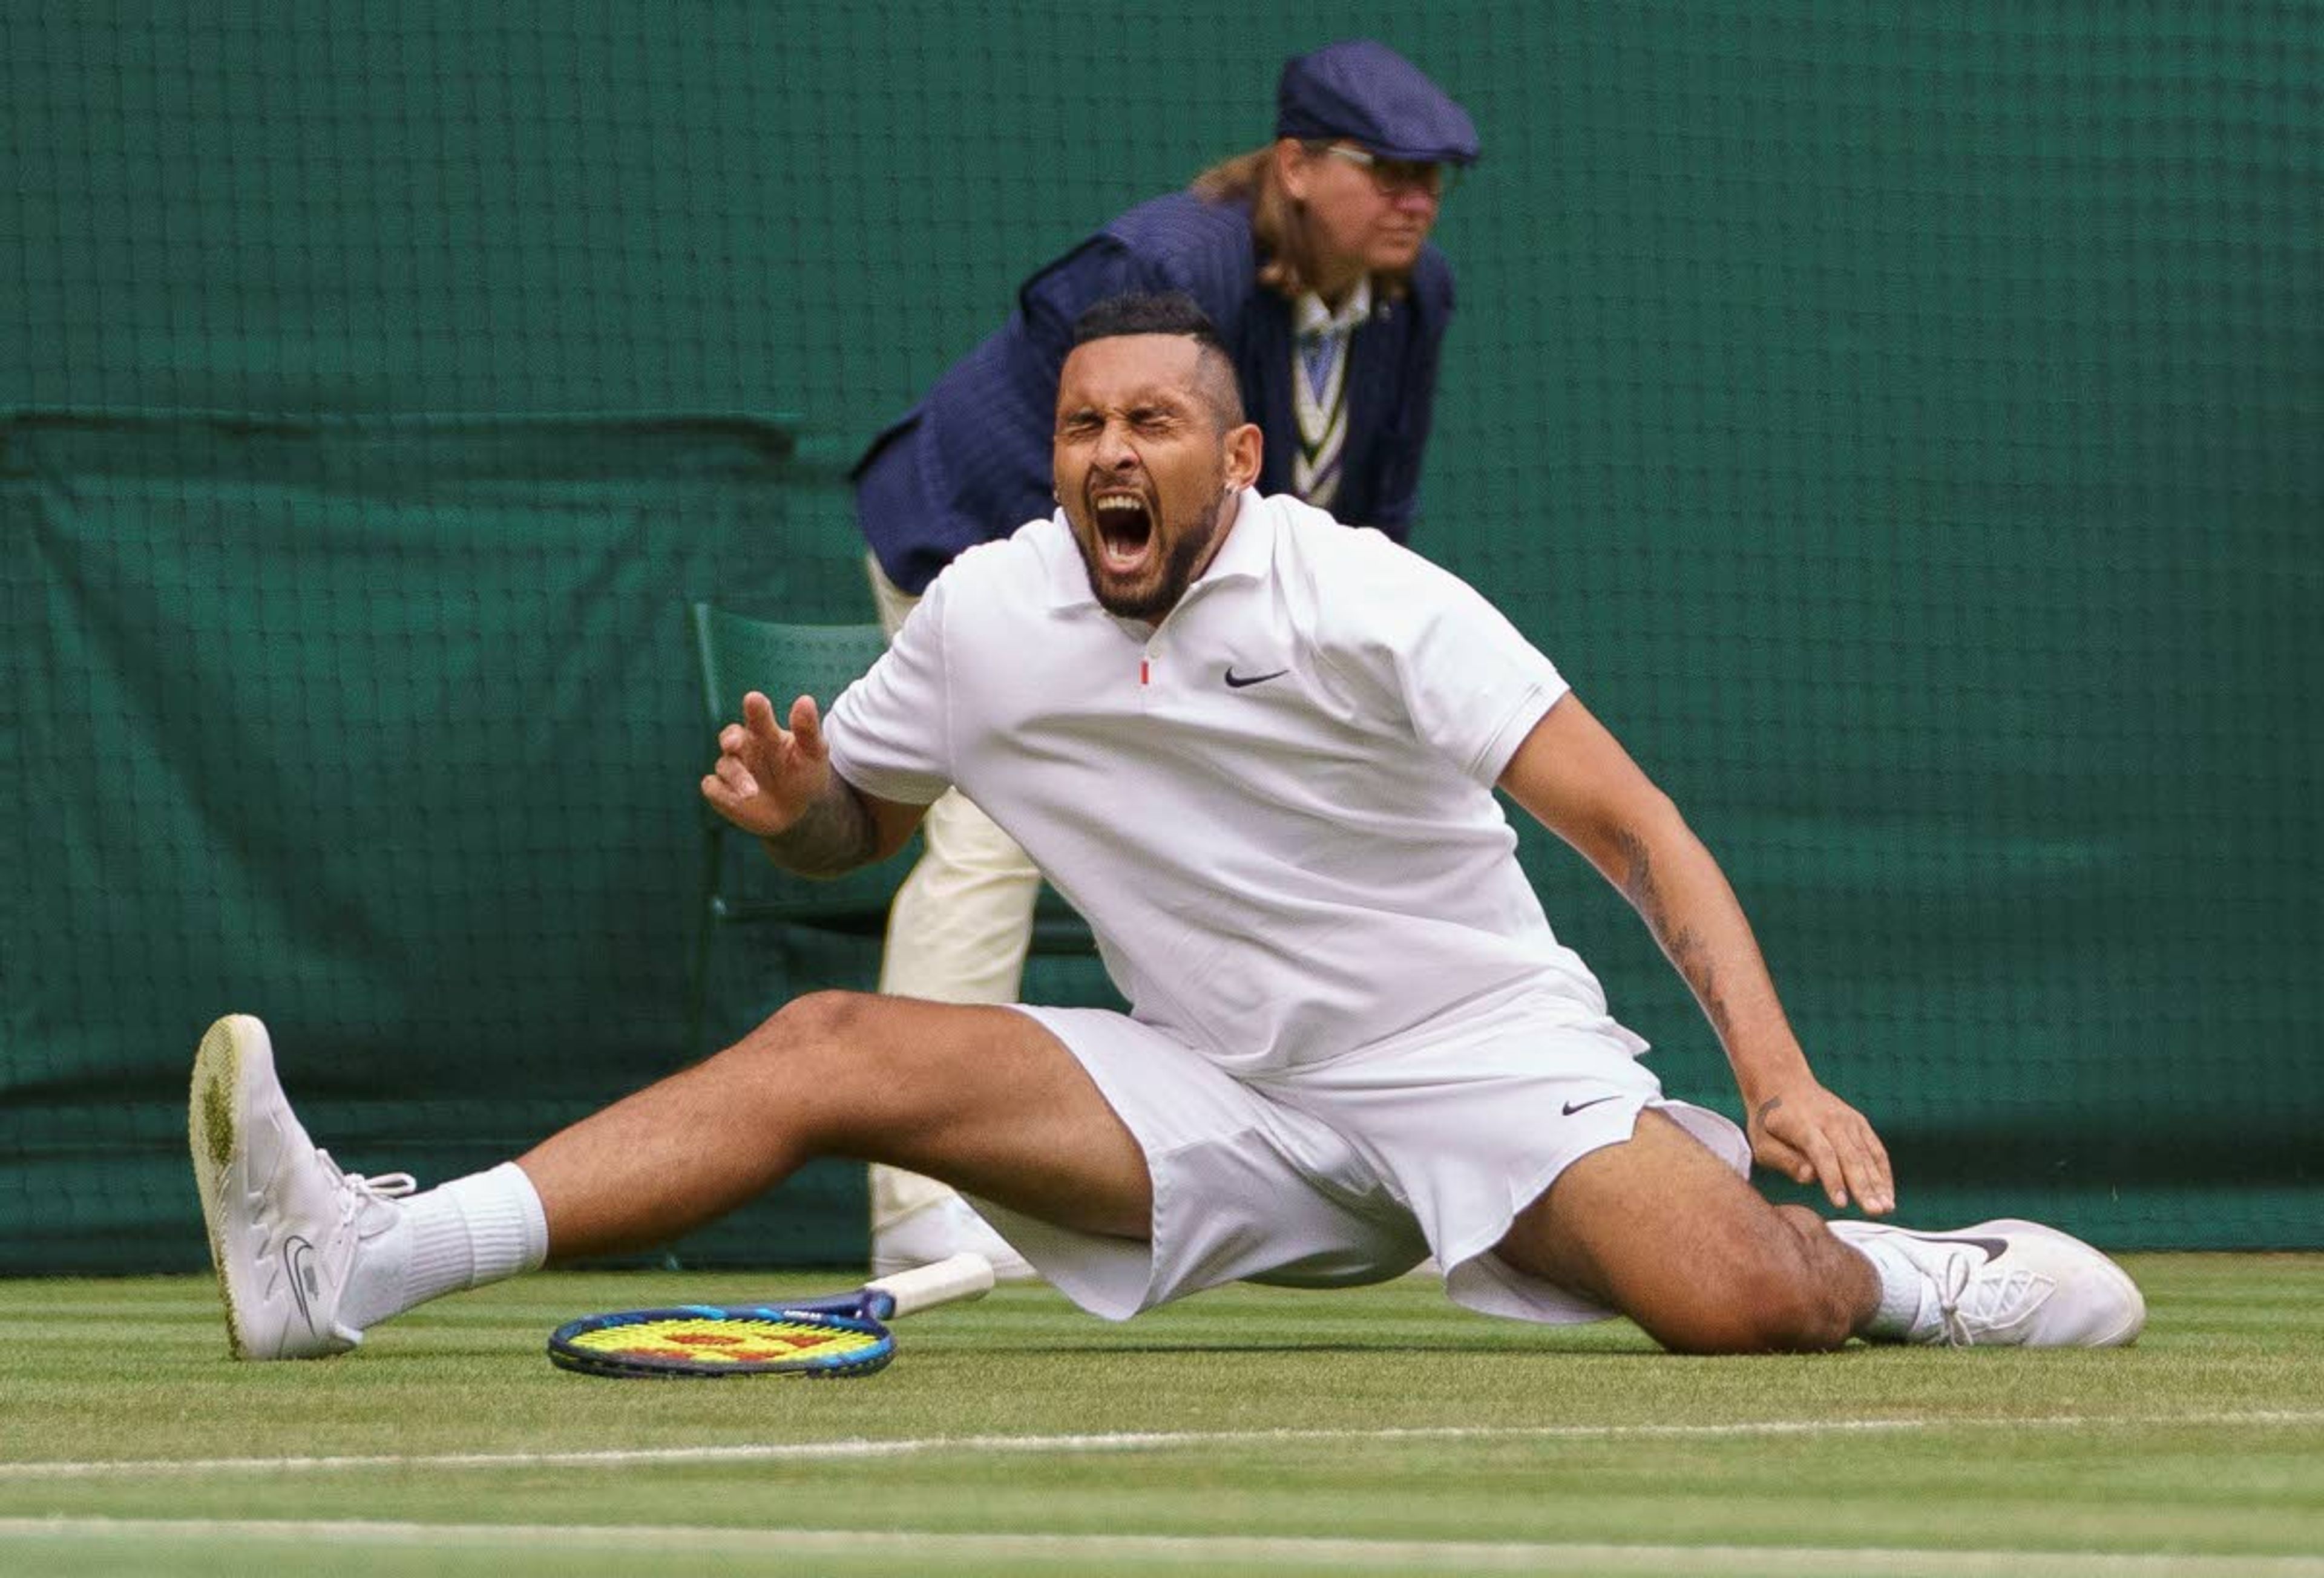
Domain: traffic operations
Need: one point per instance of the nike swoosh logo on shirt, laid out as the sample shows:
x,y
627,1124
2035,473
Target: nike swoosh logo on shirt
x,y
1236,682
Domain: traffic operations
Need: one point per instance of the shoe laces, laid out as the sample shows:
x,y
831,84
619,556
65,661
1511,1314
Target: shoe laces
x,y
362,1191
1971,1304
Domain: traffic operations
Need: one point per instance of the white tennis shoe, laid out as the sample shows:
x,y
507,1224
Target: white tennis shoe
x,y
285,1222
2008,1283
940,1230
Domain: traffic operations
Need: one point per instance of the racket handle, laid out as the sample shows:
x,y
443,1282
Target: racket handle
x,y
947,1282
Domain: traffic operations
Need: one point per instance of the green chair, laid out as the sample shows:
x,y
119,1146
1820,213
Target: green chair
x,y
734,653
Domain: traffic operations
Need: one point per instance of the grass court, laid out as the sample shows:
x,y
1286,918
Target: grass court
x,y
1248,1430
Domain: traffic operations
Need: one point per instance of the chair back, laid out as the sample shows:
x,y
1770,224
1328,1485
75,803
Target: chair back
x,y
736,653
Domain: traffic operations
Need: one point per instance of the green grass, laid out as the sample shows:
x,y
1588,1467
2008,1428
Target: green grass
x,y
1247,1430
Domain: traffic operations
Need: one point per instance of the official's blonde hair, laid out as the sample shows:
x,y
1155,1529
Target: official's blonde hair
x,y
1279,224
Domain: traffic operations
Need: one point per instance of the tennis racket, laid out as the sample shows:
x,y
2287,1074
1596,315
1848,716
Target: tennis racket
x,y
843,1335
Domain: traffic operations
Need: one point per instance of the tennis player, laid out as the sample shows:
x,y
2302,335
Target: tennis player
x,y
1312,255
1258,751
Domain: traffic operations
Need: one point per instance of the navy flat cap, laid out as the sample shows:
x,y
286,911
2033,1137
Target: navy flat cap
x,y
1365,92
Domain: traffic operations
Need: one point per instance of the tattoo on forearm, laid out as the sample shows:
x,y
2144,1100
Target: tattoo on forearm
x,y
1637,883
1767,1106
836,835
1680,945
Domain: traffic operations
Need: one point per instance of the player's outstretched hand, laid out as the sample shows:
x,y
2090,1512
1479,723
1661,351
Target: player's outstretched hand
x,y
1811,1136
768,775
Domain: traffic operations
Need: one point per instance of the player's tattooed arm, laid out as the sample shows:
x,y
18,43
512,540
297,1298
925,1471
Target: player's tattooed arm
x,y
1572,774
1678,940
835,835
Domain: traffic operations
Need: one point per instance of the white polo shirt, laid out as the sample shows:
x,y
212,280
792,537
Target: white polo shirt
x,y
1275,808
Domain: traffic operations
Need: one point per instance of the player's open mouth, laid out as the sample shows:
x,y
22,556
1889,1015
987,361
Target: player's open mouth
x,y
1125,529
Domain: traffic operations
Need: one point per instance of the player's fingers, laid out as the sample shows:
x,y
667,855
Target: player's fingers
x,y
1824,1165
759,716
807,727
1772,1149
1868,1170
736,777
1860,1164
1780,1156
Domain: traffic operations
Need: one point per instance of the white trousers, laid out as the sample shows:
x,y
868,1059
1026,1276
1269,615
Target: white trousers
x,y
961,926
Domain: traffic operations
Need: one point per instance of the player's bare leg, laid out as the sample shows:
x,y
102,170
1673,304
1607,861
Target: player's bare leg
x,y
985,1098
1661,1230
309,1256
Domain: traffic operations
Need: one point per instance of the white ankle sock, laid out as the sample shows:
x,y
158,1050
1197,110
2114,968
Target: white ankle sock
x,y
1903,1290
485,1228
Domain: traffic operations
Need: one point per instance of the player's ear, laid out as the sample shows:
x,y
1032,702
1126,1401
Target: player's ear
x,y
1245,447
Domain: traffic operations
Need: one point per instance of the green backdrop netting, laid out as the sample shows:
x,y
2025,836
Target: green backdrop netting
x,y
1908,431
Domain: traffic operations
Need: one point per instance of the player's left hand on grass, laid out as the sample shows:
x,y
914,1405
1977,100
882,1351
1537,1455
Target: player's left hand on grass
x,y
1811,1136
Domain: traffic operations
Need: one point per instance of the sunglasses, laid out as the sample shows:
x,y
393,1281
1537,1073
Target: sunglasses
x,y
1392,177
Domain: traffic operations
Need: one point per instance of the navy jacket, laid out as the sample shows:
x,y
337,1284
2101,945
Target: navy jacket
x,y
970,462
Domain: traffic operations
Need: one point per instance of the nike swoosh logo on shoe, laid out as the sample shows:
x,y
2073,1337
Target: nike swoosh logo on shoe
x,y
1993,1248
298,1263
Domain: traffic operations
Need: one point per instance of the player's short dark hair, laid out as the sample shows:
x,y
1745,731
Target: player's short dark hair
x,y
1160,312
1170,312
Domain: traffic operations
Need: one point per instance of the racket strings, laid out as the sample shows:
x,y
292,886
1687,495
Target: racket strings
x,y
713,1341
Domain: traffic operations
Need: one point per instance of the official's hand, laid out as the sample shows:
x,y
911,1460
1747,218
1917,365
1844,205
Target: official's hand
x,y
768,775
1811,1136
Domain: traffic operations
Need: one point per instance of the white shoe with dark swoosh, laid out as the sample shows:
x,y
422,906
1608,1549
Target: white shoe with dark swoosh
x,y
284,1222
2008,1283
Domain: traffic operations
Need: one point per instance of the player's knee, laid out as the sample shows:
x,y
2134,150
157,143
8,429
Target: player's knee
x,y
809,1063
820,1024
822,1018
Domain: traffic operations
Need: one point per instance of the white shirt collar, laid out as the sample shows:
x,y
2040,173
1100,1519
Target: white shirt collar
x,y
1309,315
1249,552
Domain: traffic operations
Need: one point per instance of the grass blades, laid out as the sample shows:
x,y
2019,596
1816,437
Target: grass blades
x,y
1246,1430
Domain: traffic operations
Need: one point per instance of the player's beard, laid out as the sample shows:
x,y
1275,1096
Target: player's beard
x,y
1187,555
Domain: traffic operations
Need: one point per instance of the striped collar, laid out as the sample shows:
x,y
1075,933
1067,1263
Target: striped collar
x,y
1309,315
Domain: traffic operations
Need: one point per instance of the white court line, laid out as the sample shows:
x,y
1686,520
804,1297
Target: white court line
x,y
1123,1441
1197,1551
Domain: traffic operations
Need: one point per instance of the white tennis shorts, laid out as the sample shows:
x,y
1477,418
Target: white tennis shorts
x,y
1355,1169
